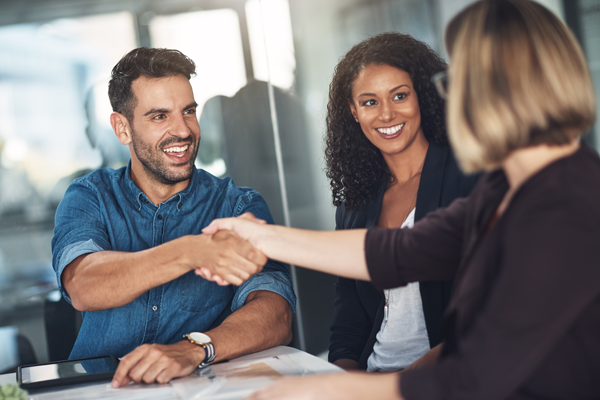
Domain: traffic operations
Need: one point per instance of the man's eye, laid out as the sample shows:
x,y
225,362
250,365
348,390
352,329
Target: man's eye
x,y
191,111
159,116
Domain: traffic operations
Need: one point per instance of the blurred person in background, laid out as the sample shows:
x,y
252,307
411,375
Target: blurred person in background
x,y
20,202
389,164
102,138
524,318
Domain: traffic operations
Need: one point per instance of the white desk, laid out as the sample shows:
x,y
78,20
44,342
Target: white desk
x,y
231,380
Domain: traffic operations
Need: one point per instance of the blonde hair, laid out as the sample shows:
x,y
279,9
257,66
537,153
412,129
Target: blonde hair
x,y
518,78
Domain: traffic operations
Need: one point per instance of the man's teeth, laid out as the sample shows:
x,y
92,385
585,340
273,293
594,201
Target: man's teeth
x,y
176,149
392,130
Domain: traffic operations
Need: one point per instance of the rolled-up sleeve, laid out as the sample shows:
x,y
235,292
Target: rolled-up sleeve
x,y
275,276
78,229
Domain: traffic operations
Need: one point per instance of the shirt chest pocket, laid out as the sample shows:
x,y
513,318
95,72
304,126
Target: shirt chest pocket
x,y
201,296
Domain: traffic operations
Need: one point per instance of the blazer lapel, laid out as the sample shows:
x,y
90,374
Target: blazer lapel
x,y
373,208
432,177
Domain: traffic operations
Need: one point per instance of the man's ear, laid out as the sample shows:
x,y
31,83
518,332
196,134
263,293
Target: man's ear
x,y
121,127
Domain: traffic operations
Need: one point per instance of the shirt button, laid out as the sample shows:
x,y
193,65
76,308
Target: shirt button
x,y
154,308
159,216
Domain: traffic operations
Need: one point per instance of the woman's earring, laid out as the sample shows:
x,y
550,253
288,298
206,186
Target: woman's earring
x,y
356,119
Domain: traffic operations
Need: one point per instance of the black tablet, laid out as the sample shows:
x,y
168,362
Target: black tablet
x,y
84,370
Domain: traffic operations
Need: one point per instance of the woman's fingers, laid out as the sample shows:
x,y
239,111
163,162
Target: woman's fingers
x,y
231,224
250,217
218,225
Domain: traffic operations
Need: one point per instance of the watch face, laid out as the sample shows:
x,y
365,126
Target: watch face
x,y
199,337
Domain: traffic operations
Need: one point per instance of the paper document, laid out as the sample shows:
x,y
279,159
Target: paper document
x,y
237,379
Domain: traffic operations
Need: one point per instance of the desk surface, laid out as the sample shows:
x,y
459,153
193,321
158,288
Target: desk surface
x,y
231,380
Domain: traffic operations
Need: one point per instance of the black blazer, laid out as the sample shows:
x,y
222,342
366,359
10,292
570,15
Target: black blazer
x,y
359,305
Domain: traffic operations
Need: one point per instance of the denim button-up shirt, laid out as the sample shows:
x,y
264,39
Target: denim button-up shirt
x,y
105,210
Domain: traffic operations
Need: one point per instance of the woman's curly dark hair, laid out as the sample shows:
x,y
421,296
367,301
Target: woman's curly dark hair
x,y
355,166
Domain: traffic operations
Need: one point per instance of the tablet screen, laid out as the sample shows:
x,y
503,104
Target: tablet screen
x,y
67,369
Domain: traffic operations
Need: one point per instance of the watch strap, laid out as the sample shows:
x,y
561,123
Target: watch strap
x,y
209,351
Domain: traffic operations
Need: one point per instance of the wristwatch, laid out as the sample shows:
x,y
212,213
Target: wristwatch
x,y
202,339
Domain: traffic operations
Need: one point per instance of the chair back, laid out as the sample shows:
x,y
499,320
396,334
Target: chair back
x,y
62,324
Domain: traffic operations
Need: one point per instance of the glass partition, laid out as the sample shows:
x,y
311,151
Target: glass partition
x,y
53,128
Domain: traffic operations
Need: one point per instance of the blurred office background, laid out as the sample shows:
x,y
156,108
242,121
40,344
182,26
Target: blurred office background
x,y
264,68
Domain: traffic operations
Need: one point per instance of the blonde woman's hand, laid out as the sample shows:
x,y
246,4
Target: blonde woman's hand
x,y
246,226
342,386
298,388
227,258
243,223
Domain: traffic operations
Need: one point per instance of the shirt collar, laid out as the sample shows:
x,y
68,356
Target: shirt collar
x,y
141,197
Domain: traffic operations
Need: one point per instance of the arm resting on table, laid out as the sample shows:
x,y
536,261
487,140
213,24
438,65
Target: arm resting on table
x,y
264,321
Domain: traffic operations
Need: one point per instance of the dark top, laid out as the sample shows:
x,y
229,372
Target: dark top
x,y
359,305
524,318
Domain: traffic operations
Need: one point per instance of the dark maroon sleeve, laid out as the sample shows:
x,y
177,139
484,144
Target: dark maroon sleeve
x,y
538,326
431,250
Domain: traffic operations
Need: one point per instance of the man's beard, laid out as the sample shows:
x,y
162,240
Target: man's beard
x,y
154,162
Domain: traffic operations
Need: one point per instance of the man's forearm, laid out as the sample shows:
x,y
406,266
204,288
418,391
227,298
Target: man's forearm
x,y
110,279
264,321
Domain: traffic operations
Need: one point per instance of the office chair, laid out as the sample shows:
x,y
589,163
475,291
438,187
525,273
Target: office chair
x,y
62,324
25,354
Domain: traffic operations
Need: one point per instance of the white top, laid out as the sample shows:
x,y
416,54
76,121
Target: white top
x,y
402,337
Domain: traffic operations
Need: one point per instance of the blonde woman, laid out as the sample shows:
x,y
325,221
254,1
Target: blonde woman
x,y
524,248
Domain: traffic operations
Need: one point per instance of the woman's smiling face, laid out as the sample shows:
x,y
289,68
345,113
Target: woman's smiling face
x,y
387,108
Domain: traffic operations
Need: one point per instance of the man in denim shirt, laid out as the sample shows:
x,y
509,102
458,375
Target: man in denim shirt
x,y
127,242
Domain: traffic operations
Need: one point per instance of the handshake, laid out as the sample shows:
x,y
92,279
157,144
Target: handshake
x,y
237,254
242,245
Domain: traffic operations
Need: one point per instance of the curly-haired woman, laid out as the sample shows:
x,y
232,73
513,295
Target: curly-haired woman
x,y
389,165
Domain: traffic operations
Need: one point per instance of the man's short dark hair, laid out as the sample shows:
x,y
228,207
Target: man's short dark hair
x,y
153,63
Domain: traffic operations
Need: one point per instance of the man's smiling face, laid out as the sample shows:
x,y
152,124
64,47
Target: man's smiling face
x,y
165,132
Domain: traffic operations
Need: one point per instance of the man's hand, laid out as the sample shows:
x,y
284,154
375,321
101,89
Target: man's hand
x,y
220,226
229,259
158,363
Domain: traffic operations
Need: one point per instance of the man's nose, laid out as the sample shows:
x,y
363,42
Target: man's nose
x,y
179,127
